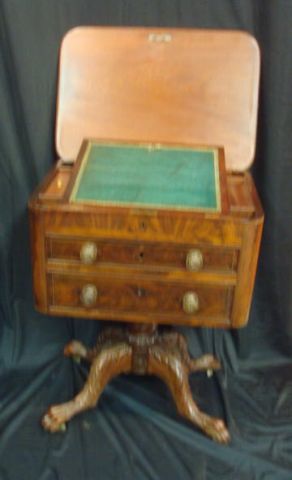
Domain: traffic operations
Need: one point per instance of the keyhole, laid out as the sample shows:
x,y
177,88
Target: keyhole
x,y
141,256
140,292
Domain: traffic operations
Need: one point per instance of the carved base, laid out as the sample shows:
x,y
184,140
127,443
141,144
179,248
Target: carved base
x,y
142,350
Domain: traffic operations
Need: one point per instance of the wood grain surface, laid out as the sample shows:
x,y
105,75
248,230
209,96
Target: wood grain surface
x,y
163,86
159,85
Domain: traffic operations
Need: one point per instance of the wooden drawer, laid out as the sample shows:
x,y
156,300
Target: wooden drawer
x,y
187,257
110,297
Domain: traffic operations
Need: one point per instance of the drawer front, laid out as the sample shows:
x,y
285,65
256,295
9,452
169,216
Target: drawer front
x,y
111,295
154,226
188,257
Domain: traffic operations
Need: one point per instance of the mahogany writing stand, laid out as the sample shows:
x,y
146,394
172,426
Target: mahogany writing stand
x,y
149,265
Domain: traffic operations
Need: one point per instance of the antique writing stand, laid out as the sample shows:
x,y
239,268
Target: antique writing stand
x,y
161,90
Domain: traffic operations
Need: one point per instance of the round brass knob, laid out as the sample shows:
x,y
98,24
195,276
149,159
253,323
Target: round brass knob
x,y
190,302
194,260
88,295
88,252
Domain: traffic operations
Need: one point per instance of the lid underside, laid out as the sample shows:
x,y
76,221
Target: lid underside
x,y
159,85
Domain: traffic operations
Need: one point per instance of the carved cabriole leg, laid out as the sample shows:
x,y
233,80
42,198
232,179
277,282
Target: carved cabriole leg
x,y
111,361
107,337
169,366
175,340
139,349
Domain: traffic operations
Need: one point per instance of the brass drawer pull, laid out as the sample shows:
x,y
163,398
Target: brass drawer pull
x,y
89,295
88,252
194,260
190,302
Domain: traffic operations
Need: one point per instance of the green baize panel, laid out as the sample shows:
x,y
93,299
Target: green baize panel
x,y
148,176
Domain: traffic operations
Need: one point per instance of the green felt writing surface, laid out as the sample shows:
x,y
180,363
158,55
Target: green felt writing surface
x,y
148,176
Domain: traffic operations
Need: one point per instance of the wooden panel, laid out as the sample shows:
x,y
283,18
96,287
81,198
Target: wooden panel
x,y
146,254
246,272
160,85
151,273
78,220
57,186
140,296
37,242
240,194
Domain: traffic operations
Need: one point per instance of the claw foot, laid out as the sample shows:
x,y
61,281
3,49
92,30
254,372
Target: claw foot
x,y
214,363
215,428
55,418
75,349
206,362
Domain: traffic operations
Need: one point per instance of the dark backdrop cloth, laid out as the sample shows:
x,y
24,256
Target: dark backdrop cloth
x,y
135,433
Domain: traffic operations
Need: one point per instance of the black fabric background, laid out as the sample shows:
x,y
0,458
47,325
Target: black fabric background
x,y
135,433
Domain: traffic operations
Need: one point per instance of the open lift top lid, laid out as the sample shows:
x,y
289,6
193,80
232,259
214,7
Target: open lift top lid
x,y
159,85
